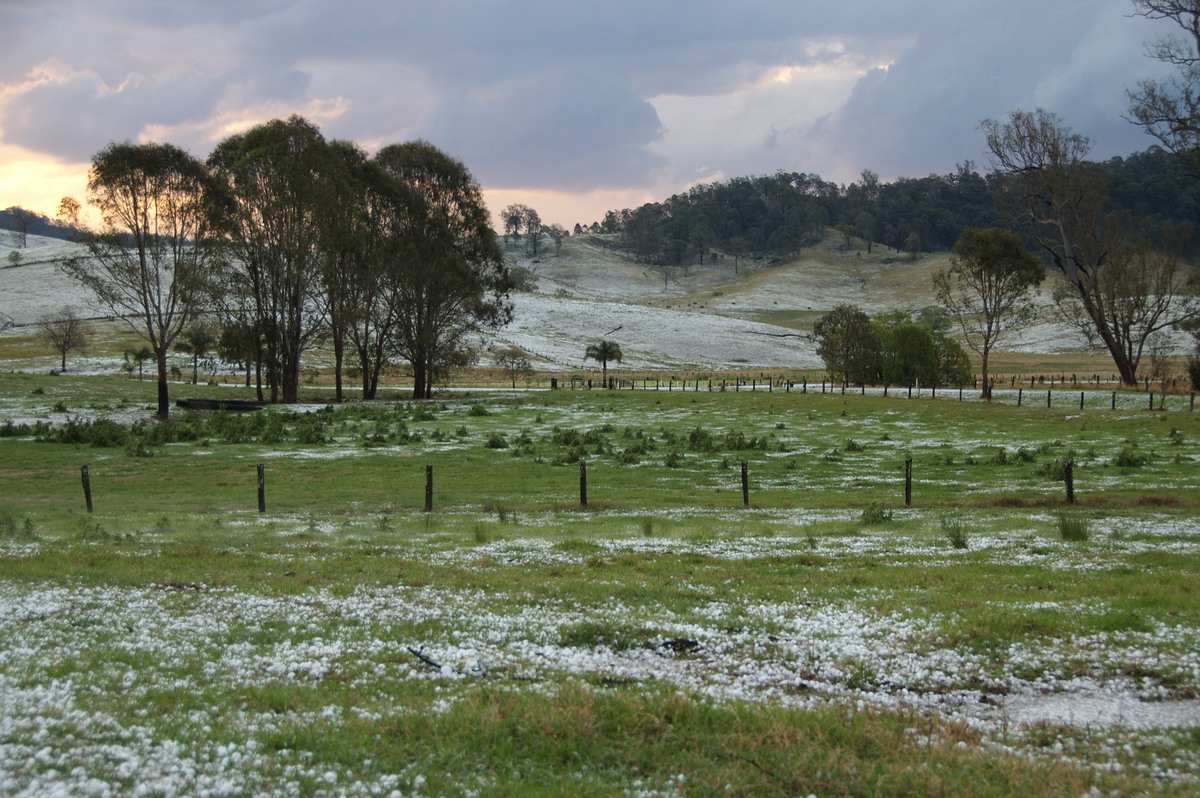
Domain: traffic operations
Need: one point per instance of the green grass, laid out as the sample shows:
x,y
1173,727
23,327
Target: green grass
x,y
303,638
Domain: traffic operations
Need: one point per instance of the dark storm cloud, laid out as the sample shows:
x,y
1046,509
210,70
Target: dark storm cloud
x,y
559,95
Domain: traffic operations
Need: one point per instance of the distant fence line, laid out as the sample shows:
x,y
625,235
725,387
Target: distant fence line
x,y
1020,396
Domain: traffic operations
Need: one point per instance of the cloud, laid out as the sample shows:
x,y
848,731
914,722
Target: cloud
x,y
545,96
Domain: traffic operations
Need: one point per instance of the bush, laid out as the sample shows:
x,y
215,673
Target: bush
x,y
1129,458
874,515
1072,527
955,531
497,441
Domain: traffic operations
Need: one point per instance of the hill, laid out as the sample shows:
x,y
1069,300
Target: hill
x,y
714,317
731,313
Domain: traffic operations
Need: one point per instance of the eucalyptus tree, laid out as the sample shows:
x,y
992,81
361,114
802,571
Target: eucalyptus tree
x,y
151,260
1122,282
379,245
453,281
849,344
346,238
988,289
275,177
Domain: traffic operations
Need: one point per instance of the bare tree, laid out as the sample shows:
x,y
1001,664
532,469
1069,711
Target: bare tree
x,y
1169,110
151,260
988,288
514,362
64,331
1120,289
1160,364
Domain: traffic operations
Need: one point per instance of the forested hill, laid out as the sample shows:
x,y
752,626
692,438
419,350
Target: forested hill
x,y
28,223
779,214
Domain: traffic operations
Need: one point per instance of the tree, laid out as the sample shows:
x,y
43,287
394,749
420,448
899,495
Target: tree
x,y
454,281
513,217
849,344
196,341
908,354
1169,110
275,181
514,362
557,233
138,357
1119,288
64,331
241,343
533,228
379,281
988,289
604,352
152,258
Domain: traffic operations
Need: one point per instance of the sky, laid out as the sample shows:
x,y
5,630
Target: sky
x,y
571,107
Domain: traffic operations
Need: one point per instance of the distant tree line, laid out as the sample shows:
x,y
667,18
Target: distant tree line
x,y
775,216
27,223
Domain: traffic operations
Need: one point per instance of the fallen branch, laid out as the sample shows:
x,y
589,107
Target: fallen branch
x,y
419,654
802,336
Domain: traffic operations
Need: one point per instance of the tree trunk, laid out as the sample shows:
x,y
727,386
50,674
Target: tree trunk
x,y
338,355
983,373
164,402
419,379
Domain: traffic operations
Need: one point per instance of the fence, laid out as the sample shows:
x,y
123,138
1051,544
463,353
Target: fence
x,y
261,482
1020,396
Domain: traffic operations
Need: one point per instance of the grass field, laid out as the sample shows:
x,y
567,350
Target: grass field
x,y
664,640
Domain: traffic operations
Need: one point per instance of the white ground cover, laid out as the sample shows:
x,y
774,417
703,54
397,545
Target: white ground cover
x,y
113,690
587,300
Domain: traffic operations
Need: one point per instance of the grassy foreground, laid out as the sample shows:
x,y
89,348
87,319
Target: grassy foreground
x,y
665,640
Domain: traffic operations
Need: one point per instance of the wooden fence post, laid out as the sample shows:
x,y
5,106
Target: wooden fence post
x,y
1069,480
429,489
1020,391
745,485
87,486
583,483
262,488
908,482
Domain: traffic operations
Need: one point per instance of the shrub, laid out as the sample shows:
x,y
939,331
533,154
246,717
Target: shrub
x,y
955,531
497,441
1072,527
478,410
874,515
8,522
1129,458
701,440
